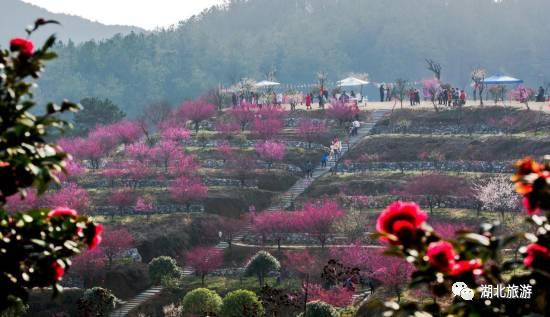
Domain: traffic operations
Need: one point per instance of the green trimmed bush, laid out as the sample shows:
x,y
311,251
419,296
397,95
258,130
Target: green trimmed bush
x,y
202,301
242,303
97,301
319,309
163,267
261,264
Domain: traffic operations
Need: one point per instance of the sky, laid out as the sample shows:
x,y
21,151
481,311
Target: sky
x,y
148,14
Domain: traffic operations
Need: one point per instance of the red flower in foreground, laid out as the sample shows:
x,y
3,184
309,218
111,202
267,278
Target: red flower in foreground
x,y
531,210
441,255
62,212
401,219
537,256
58,271
96,239
23,46
464,267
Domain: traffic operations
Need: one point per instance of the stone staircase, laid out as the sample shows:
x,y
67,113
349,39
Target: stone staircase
x,y
136,301
285,200
357,298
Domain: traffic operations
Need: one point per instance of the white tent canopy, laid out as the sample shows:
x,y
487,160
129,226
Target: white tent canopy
x,y
266,83
502,80
352,81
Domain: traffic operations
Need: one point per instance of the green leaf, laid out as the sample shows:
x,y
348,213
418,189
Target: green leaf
x,y
49,56
27,218
39,242
49,43
478,239
52,108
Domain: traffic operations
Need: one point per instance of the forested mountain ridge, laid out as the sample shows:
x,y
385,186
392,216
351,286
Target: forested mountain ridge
x,y
15,15
387,39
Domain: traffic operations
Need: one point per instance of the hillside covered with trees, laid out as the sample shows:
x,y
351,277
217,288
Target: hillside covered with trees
x,y
19,14
298,38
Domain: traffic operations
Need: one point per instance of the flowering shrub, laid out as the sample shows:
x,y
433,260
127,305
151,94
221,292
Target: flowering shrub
x,y
477,259
35,245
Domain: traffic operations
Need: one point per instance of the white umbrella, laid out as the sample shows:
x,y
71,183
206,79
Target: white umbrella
x,y
351,82
266,83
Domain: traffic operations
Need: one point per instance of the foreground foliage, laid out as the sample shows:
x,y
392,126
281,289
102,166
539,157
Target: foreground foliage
x,y
35,246
477,259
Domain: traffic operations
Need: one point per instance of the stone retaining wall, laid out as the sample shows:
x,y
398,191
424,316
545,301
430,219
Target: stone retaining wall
x,y
449,166
159,209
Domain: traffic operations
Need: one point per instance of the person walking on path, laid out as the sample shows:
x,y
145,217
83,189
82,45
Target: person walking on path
x,y
324,159
355,125
309,170
382,90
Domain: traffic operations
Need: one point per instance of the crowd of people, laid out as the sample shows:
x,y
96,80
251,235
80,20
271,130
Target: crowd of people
x,y
452,97
414,96
296,98
386,92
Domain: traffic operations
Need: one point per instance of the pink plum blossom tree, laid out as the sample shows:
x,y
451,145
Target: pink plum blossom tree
x,y
145,206
175,134
197,111
227,129
393,272
318,219
275,224
243,114
204,260
90,266
266,129
120,199
225,150
186,189
16,202
432,87
312,130
341,112
116,241
165,152
270,151
138,151
71,196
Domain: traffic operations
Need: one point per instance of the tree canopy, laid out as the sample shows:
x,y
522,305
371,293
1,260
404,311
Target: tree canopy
x,y
95,112
261,264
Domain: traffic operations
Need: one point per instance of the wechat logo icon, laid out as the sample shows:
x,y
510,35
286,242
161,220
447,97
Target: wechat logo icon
x,y
462,290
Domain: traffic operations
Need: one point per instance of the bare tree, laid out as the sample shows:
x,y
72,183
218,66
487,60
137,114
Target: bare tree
x,y
153,115
400,90
478,77
434,67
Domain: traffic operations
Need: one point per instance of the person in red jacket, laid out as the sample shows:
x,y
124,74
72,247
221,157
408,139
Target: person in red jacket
x,y
462,98
308,102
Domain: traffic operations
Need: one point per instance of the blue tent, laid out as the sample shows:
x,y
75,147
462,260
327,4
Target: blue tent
x,y
502,80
